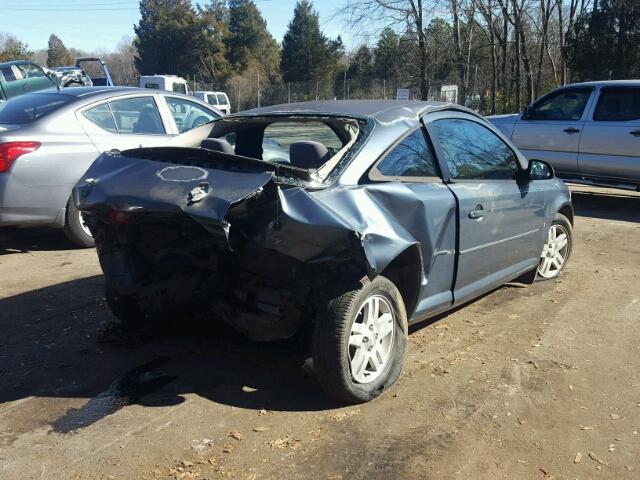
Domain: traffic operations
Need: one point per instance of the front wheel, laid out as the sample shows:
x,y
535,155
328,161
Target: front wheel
x,y
556,249
360,341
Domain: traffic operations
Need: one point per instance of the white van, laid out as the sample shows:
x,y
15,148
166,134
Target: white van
x,y
220,100
171,83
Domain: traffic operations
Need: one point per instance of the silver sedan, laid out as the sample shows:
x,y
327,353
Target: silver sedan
x,y
48,139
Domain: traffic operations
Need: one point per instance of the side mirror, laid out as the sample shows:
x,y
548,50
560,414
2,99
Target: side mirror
x,y
525,112
540,170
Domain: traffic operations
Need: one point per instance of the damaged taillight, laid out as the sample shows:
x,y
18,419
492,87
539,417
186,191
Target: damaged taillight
x,y
118,218
11,151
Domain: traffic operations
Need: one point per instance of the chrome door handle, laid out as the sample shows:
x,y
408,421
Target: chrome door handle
x,y
571,130
635,133
477,213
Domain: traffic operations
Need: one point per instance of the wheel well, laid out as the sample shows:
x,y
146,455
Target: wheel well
x,y
405,273
567,211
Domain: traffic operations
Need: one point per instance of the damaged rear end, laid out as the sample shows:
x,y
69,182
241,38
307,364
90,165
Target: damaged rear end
x,y
183,232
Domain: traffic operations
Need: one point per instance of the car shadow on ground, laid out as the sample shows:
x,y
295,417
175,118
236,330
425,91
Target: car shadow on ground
x,y
59,341
24,240
606,204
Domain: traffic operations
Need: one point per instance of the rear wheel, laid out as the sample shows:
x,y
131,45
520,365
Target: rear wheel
x,y
556,249
76,228
359,342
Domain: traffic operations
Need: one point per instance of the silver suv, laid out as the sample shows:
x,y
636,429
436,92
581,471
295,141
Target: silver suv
x,y
589,132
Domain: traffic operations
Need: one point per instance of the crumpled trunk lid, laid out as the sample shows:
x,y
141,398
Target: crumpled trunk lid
x,y
203,192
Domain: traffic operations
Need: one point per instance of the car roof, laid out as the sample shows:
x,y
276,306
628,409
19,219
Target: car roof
x,y
100,93
379,110
16,62
606,83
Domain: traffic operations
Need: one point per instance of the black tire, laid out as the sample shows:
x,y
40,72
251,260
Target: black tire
x,y
73,228
330,343
563,222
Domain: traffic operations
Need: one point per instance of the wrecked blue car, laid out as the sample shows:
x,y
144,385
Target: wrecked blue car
x,y
343,221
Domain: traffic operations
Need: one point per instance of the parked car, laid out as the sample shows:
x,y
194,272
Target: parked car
x,y
48,140
171,83
22,76
589,132
220,100
383,214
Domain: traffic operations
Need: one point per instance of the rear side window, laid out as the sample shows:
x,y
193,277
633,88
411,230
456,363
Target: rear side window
x,y
212,99
102,117
474,152
618,105
137,115
412,157
222,99
9,74
179,88
28,108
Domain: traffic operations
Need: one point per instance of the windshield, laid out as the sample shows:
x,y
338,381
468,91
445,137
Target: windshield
x,y
29,108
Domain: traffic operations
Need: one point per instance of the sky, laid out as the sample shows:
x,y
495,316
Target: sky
x,y
99,25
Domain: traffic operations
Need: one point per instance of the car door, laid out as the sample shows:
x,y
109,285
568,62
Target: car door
x,y
125,122
34,78
407,182
500,220
610,144
551,128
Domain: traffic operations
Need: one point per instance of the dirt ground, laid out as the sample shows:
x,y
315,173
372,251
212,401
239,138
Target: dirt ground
x,y
524,383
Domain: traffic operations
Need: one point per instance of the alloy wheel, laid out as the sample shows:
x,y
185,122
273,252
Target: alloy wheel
x,y
371,339
555,252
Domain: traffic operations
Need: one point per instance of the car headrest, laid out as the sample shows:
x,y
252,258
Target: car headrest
x,y
307,154
218,145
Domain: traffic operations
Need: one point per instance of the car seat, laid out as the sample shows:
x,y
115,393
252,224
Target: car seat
x,y
308,154
218,145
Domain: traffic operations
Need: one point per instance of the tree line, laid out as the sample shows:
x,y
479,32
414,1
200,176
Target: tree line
x,y
502,54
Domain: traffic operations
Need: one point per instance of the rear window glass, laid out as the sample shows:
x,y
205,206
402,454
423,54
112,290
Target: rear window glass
x,y
28,108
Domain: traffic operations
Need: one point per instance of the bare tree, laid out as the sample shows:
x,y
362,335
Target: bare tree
x,y
409,16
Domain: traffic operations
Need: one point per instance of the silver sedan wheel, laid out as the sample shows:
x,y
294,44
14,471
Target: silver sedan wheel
x,y
83,224
554,252
371,340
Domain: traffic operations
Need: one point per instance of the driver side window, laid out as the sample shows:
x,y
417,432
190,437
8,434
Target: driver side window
x,y
563,105
473,152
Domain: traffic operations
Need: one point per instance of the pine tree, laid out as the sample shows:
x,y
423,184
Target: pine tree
x,y
171,38
306,53
57,53
386,56
249,42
